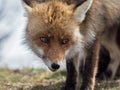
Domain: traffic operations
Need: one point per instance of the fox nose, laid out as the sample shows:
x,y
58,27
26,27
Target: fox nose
x,y
55,66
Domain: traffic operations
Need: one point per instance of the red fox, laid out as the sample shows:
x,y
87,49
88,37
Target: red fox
x,y
73,30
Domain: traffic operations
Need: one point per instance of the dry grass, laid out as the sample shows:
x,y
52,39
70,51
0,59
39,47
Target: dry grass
x,y
39,79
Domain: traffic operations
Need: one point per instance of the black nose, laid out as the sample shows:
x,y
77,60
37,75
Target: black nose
x,y
55,66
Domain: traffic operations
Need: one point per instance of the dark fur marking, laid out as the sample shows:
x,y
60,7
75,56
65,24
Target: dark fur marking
x,y
77,2
71,76
28,2
108,73
104,60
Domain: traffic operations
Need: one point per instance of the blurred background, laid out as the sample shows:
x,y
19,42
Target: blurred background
x,y
13,53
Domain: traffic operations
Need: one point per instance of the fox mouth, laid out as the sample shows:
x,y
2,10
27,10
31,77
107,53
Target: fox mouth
x,y
53,70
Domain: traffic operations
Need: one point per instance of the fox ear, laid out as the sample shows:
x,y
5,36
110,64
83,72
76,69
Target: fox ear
x,y
29,4
81,9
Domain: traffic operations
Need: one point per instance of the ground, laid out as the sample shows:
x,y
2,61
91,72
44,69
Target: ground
x,y
40,79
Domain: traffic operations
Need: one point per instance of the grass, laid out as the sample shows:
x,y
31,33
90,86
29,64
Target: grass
x,y
40,79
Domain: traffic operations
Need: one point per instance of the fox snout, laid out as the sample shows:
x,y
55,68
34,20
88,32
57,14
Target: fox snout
x,y
54,56
53,66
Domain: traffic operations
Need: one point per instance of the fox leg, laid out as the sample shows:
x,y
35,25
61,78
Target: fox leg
x,y
114,63
104,60
111,42
91,65
114,50
71,79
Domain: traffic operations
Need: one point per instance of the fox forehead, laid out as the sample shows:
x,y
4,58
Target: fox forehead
x,y
53,13
52,17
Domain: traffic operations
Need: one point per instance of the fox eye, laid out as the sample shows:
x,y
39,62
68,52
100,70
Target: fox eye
x,y
64,41
45,40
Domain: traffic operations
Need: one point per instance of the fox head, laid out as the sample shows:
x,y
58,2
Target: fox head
x,y
53,29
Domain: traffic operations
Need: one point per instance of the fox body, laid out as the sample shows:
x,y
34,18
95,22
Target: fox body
x,y
72,30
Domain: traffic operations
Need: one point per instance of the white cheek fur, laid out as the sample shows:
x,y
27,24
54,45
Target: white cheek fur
x,y
37,50
47,62
78,47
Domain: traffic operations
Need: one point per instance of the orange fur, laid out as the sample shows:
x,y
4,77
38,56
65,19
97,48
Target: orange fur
x,y
83,23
